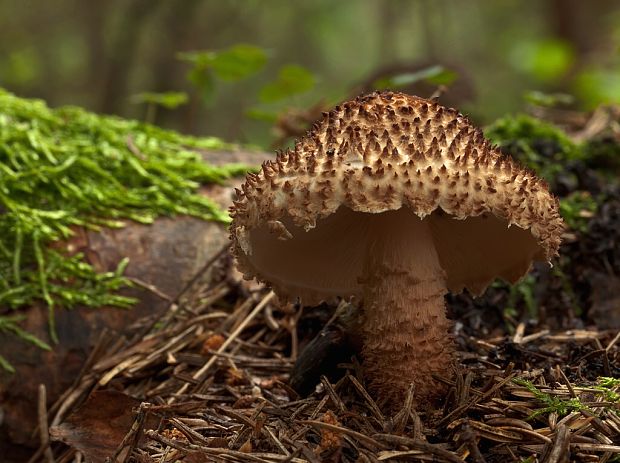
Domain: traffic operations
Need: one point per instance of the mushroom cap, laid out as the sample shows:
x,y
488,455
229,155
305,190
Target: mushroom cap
x,y
304,222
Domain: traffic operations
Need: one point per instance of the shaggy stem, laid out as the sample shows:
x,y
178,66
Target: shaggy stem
x,y
406,332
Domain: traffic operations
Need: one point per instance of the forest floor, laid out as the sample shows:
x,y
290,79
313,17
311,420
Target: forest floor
x,y
212,386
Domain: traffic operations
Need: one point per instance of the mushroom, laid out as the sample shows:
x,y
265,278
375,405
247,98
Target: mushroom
x,y
394,200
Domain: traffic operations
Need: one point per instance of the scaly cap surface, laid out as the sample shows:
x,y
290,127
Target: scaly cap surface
x,y
299,223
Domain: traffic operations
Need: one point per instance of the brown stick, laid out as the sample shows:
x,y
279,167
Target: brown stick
x,y
43,429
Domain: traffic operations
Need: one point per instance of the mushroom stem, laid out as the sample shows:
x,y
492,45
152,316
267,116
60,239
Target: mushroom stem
x,y
406,331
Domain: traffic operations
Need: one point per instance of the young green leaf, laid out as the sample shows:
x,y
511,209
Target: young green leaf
x,y
292,80
238,62
168,100
435,75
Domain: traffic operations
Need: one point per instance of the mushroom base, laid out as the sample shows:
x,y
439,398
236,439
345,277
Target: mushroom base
x,y
406,331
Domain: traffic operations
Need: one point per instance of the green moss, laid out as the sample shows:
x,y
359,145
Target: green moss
x,y
539,145
10,325
607,387
551,403
605,154
577,208
66,167
610,387
546,149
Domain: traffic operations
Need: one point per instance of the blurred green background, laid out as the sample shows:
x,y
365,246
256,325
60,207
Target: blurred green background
x,y
230,68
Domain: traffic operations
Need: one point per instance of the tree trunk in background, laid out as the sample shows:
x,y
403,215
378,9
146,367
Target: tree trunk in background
x,y
574,20
387,16
178,25
95,14
121,55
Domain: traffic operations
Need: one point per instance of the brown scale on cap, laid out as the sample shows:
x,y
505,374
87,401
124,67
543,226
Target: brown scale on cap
x,y
395,200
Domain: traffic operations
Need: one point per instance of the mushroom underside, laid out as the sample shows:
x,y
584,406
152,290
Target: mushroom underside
x,y
328,260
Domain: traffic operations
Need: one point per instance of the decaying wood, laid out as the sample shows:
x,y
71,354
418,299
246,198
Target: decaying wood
x,y
164,257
